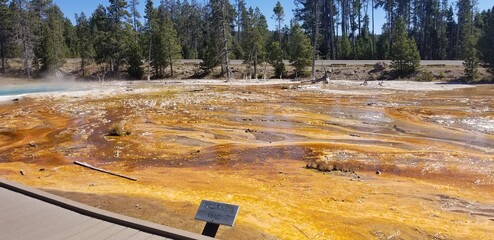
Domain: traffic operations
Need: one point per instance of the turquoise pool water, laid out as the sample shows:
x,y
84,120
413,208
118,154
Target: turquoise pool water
x,y
10,91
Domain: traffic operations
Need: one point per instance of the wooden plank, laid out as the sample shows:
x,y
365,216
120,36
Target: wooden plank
x,y
140,236
13,202
154,237
90,232
125,234
37,222
18,229
18,215
13,207
6,196
67,221
67,233
114,229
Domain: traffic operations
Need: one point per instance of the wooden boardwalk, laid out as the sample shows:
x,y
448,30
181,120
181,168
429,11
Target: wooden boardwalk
x,y
27,213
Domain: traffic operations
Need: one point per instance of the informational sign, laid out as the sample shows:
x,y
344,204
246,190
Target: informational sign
x,y
217,213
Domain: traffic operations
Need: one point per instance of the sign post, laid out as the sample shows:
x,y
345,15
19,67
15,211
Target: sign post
x,y
216,214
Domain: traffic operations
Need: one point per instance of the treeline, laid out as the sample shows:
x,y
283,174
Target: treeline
x,y
118,39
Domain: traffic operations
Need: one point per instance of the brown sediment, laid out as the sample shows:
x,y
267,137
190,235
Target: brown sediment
x,y
249,145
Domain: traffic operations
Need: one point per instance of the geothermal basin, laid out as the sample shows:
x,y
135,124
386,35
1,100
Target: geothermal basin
x,y
389,160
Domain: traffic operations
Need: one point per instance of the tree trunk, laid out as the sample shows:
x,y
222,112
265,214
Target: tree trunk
x,y
2,53
373,49
238,20
134,17
255,65
360,21
314,50
313,75
332,31
343,18
171,67
279,30
83,66
27,71
149,58
116,69
457,44
390,32
225,41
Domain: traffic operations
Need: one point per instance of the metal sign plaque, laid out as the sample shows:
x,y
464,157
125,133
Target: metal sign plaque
x,y
218,213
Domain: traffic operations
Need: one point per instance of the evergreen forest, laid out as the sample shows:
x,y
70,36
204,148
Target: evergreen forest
x,y
122,40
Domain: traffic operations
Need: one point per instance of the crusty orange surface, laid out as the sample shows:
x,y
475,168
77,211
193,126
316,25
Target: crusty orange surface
x,y
249,145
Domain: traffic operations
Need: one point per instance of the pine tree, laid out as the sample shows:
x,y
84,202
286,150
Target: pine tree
x,y
22,25
345,48
345,17
429,22
404,53
70,39
255,39
465,26
133,56
133,46
487,40
220,15
451,32
171,46
299,50
471,59
382,48
118,20
83,31
275,49
239,8
442,31
467,40
5,32
150,25
310,14
328,29
51,50
388,6
307,15
364,41
244,25
101,34
38,13
355,24
279,16
276,58
134,12
189,29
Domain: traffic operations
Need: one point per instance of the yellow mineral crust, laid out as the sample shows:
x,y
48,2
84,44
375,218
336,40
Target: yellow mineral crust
x,y
407,165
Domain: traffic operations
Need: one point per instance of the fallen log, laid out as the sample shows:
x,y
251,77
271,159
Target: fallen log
x,y
86,165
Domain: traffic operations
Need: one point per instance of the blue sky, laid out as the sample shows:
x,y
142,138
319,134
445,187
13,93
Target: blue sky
x,y
71,7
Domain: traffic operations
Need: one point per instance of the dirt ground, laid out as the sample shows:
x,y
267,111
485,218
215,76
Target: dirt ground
x,y
94,72
344,160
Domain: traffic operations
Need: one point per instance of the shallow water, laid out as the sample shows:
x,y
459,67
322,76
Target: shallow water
x,y
26,90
